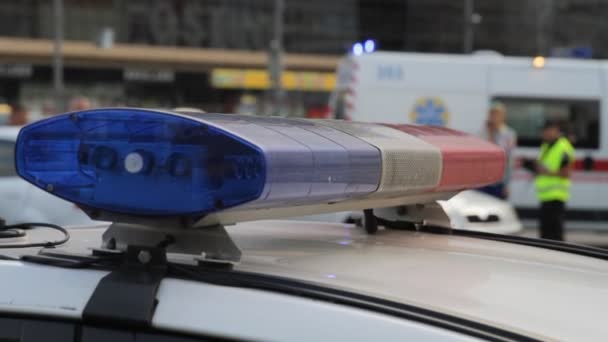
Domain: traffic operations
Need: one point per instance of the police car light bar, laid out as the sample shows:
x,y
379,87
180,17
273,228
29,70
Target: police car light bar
x,y
224,168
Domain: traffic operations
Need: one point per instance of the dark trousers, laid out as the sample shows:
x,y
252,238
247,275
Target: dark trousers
x,y
552,220
496,190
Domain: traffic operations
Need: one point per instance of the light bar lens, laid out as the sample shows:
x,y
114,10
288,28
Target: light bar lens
x,y
140,162
468,162
307,162
154,163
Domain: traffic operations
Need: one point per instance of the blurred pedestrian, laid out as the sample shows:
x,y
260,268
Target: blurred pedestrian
x,y
18,116
48,108
79,103
497,132
552,169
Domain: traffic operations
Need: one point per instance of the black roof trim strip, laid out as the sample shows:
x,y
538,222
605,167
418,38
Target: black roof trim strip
x,y
127,295
565,247
337,296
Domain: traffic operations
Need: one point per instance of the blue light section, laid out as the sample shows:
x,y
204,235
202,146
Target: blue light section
x,y
140,162
369,46
357,49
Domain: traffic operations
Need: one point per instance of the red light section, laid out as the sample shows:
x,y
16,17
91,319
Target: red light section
x,y
468,161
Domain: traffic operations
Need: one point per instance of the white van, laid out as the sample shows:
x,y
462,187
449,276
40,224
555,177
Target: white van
x,y
456,91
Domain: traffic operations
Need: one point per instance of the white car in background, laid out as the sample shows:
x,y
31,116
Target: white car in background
x,y
475,210
22,202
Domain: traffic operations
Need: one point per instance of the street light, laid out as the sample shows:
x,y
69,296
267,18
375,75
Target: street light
x,y
538,62
58,86
357,49
369,46
276,57
471,18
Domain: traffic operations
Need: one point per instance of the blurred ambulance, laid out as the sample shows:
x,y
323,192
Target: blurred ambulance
x,y
456,91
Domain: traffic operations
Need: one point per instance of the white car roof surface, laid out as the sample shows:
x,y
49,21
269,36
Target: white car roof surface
x,y
533,291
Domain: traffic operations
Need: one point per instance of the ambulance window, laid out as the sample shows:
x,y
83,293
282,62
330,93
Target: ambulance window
x,y
579,119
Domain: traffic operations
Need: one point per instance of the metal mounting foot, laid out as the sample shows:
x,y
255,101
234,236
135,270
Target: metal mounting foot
x,y
211,243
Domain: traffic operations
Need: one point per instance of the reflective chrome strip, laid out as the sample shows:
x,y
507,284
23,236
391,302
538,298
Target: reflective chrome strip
x,y
553,187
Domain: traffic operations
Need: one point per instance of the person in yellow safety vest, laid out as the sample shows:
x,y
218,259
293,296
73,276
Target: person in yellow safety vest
x,y
552,182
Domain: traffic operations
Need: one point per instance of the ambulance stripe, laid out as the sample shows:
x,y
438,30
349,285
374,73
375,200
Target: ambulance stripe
x,y
598,165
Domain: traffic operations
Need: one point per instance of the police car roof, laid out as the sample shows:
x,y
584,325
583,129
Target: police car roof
x,y
533,291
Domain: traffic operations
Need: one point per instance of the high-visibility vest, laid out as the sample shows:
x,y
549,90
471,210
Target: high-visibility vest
x,y
554,188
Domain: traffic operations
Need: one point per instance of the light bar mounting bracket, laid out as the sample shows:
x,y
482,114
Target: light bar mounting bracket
x,y
208,244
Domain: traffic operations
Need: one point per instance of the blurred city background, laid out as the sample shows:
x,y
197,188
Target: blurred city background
x,y
215,54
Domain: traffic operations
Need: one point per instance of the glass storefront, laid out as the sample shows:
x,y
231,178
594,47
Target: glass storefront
x,y
159,89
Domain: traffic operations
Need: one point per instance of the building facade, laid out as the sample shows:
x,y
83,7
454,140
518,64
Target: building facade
x,y
167,53
191,39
